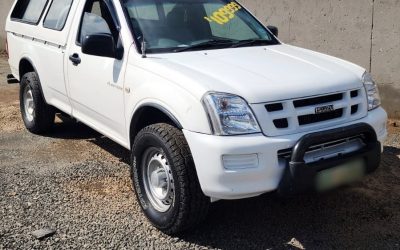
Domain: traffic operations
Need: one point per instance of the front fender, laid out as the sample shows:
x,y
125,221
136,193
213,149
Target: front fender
x,y
150,89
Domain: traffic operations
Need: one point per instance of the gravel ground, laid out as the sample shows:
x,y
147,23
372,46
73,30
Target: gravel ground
x,y
77,182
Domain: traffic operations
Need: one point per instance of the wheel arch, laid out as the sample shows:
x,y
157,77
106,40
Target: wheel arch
x,y
150,113
26,65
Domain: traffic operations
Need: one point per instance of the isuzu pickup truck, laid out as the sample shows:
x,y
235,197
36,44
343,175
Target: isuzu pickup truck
x,y
210,103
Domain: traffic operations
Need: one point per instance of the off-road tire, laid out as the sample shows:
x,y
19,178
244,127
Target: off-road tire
x,y
44,114
190,206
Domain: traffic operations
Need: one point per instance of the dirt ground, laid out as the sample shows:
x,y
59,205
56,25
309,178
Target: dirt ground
x,y
77,182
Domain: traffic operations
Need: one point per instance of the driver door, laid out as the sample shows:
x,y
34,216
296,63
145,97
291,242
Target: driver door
x,y
96,83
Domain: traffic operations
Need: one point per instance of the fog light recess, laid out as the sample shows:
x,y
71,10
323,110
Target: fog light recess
x,y
236,162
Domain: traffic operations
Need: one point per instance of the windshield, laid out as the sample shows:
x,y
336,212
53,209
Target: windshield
x,y
180,25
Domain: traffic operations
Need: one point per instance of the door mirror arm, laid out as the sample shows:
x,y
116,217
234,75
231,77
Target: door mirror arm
x,y
274,30
119,50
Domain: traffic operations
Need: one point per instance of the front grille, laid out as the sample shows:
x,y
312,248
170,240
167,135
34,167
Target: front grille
x,y
354,109
313,118
317,100
274,107
354,93
281,123
300,115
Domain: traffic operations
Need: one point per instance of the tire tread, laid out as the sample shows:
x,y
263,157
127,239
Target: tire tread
x,y
44,113
194,204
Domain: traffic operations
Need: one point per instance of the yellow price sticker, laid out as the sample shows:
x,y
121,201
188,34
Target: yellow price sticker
x,y
224,14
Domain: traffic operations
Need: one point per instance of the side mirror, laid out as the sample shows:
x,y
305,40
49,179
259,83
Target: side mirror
x,y
274,30
101,44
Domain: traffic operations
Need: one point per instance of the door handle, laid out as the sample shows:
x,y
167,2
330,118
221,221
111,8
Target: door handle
x,y
75,59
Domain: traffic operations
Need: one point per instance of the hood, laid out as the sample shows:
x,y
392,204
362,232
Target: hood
x,y
258,74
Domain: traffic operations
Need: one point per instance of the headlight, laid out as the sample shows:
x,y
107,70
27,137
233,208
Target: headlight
x,y
374,99
230,114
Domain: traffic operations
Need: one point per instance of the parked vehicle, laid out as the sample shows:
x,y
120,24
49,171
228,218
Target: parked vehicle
x,y
211,104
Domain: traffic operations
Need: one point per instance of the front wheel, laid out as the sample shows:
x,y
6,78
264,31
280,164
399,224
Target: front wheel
x,y
37,115
165,179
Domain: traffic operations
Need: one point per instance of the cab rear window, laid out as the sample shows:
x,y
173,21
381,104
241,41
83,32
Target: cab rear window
x,y
57,14
29,11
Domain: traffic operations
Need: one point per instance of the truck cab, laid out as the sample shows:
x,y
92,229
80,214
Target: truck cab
x,y
211,104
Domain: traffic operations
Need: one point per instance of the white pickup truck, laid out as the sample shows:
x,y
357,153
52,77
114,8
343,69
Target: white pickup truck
x,y
211,104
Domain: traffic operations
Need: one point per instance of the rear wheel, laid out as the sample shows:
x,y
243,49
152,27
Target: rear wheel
x,y
37,115
165,179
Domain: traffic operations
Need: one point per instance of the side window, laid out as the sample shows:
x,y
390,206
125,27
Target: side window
x,y
93,24
235,29
29,11
96,19
57,14
96,8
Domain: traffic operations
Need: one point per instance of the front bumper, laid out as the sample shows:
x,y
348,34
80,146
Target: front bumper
x,y
267,173
300,176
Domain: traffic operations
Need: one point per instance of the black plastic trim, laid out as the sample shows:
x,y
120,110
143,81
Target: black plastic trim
x,y
165,111
114,15
281,123
299,176
273,107
315,118
156,106
319,100
354,109
354,93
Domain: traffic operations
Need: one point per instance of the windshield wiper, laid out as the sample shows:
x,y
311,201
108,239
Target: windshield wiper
x,y
206,44
252,42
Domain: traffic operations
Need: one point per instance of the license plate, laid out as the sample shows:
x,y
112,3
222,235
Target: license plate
x,y
346,173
